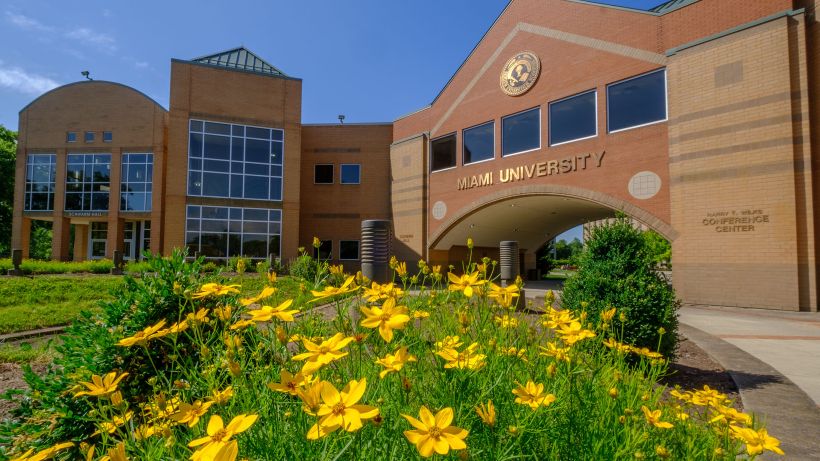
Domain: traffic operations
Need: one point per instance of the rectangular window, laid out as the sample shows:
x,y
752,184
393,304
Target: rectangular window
x,y
234,161
41,170
87,182
89,136
71,136
107,136
443,152
325,251
323,174
136,182
223,232
521,132
351,173
574,118
98,238
348,250
637,101
479,143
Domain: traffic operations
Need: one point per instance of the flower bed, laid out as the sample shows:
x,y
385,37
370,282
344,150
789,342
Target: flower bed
x,y
187,368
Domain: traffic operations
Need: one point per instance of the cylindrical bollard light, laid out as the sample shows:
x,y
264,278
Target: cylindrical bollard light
x,y
376,250
508,250
117,269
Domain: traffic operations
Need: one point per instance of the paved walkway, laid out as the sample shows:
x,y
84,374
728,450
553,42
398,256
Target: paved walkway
x,y
774,357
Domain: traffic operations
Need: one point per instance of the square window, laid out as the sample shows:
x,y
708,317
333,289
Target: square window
x,y
479,143
71,136
351,173
443,153
89,136
348,250
637,101
108,136
521,132
574,118
323,174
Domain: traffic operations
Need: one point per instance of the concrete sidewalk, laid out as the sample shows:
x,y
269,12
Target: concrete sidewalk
x,y
774,358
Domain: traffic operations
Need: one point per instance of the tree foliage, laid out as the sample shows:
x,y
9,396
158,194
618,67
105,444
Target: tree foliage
x,y
8,154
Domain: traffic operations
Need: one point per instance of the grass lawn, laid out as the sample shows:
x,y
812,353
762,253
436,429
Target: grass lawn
x,y
27,303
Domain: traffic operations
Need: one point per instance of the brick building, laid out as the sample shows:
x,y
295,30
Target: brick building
x,y
695,118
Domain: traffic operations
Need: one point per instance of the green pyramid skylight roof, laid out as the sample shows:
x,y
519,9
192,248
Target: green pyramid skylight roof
x,y
241,59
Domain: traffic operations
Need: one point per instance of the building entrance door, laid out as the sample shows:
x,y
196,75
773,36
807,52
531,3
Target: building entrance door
x,y
97,240
136,239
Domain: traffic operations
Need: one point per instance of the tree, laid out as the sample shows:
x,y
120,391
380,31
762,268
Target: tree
x,y
660,251
8,155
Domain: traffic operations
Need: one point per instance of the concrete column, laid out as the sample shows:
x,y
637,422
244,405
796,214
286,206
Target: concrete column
x,y
116,235
60,238
114,241
21,226
376,250
23,240
80,242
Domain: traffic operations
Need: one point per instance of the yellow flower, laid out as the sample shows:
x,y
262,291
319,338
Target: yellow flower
x,y
220,397
395,362
223,313
378,292
468,358
160,407
141,337
504,296
387,318
271,277
242,324
281,312
393,262
290,383
662,452
730,415
341,409
555,319
513,351
190,413
506,321
608,315
267,292
329,291
533,395
116,421
45,454
401,269
654,418
316,242
219,435
465,283
756,440
616,346
572,333
116,454
319,355
149,430
470,243
102,386
646,352
311,397
560,353
708,396
178,327
419,314
215,289
434,434
486,412
201,316
449,342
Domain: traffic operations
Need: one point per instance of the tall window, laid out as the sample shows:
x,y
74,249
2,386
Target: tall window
x,y
521,132
136,184
221,232
637,101
323,173
443,152
573,118
479,143
350,173
235,161
41,170
88,182
348,250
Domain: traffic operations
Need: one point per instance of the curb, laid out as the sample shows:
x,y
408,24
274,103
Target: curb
x,y
19,336
789,414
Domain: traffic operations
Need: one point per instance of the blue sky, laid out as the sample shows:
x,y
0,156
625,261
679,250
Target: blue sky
x,y
372,60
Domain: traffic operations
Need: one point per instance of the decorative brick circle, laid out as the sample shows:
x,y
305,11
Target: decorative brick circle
x,y
439,210
644,185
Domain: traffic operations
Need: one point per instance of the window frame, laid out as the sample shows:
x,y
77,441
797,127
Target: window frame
x,y
198,219
69,135
665,96
358,250
148,183
86,137
549,122
454,134
341,174
332,176
28,185
91,194
109,135
316,251
464,144
540,129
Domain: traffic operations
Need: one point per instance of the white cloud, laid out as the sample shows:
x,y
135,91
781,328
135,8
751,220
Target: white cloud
x,y
27,23
141,65
88,36
19,80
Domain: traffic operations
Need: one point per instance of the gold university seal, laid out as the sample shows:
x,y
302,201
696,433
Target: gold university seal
x,y
520,73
